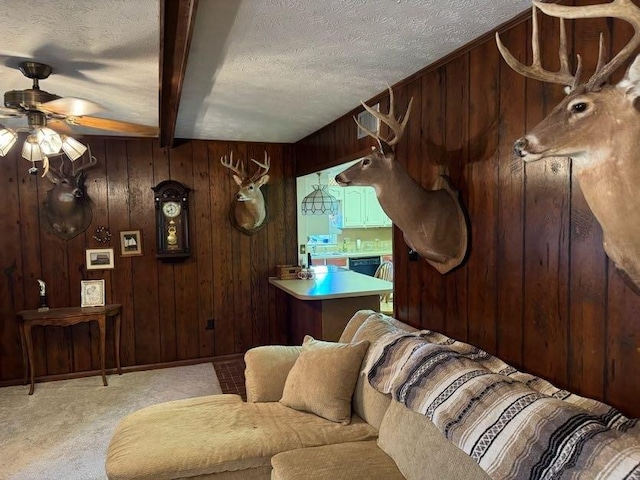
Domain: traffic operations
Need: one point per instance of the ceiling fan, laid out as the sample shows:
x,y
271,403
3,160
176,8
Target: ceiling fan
x,y
47,109
44,110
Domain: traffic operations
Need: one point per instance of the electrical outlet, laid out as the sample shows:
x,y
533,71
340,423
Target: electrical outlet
x,y
209,324
303,249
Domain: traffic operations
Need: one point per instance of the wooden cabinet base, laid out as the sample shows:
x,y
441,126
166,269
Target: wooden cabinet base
x,y
325,319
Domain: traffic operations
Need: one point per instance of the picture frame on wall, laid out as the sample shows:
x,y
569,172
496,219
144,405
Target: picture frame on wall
x,y
130,243
92,293
99,258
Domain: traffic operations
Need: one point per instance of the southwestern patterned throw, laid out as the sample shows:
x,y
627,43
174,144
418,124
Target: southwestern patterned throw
x,y
515,425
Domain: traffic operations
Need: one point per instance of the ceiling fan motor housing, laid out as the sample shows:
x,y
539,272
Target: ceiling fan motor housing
x,y
31,98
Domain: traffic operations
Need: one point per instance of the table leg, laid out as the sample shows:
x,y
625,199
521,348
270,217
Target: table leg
x,y
116,337
29,342
25,359
101,327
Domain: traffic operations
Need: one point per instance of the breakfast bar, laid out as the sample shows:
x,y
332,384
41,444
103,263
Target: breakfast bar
x,y
321,306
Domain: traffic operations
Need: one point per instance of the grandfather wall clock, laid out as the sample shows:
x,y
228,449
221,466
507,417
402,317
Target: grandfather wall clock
x,y
172,220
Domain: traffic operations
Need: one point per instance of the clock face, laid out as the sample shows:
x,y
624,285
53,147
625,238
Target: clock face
x,y
171,209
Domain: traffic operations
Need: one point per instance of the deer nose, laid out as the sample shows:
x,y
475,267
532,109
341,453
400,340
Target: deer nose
x,y
520,146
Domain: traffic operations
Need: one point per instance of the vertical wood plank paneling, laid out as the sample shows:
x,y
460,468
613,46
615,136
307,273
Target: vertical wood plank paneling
x,y
115,156
409,154
166,275
186,271
201,215
223,276
259,286
456,133
431,140
588,263
510,201
146,306
482,181
11,286
546,239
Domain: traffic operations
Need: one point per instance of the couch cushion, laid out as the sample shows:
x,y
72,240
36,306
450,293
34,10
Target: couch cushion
x,y
266,371
323,378
369,403
355,461
218,433
353,324
420,450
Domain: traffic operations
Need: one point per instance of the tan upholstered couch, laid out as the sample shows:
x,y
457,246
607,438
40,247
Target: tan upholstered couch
x,y
223,437
313,414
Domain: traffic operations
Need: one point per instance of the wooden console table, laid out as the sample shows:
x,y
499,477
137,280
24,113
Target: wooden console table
x,y
63,317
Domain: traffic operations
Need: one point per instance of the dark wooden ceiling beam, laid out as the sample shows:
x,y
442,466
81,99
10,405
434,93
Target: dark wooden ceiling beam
x,y
177,19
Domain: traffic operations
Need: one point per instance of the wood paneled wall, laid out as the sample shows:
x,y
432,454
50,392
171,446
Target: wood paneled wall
x,y
165,305
537,288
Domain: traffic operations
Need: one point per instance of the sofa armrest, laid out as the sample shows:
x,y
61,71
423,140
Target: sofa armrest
x,y
266,371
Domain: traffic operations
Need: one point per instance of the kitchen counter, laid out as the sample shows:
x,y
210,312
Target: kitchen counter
x,y
321,307
337,283
354,253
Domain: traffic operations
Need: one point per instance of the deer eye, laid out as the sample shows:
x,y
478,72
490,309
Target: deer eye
x,y
366,161
579,107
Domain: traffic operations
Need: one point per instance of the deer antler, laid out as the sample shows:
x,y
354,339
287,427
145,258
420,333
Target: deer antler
x,y
263,166
535,70
397,126
623,9
238,168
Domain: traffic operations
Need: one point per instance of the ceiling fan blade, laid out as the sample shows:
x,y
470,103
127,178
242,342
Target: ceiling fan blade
x,y
60,126
71,106
114,125
6,112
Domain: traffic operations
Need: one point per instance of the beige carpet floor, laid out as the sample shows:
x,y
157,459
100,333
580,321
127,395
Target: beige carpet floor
x,y
62,431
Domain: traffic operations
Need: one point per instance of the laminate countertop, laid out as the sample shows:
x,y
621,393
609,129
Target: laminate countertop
x,y
333,283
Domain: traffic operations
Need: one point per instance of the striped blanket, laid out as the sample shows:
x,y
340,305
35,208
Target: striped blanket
x,y
515,425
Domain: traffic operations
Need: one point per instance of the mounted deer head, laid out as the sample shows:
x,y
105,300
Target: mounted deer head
x,y
67,209
248,213
598,126
432,221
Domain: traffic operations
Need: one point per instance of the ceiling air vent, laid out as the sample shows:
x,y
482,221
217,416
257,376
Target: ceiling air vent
x,y
368,121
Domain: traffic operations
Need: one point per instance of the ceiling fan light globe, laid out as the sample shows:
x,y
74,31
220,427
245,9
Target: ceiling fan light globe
x,y
72,147
49,141
7,138
31,150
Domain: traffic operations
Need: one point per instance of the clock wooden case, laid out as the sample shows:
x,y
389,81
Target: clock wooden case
x,y
172,220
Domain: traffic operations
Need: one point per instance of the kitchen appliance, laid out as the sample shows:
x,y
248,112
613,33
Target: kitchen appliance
x,y
366,265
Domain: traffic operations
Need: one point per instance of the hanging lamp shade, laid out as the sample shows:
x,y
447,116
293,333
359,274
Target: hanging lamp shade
x,y
320,201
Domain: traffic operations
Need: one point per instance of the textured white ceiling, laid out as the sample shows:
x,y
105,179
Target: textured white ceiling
x,y
258,70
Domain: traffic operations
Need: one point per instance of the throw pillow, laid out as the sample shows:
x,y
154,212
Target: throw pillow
x,y
323,378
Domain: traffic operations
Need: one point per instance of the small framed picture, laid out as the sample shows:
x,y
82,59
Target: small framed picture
x,y
92,293
99,258
130,243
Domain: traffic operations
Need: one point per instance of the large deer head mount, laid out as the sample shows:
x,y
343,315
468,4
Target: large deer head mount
x,y
67,210
249,211
432,220
598,126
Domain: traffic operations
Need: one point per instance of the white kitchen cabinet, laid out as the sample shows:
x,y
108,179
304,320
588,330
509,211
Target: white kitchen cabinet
x,y
354,207
362,209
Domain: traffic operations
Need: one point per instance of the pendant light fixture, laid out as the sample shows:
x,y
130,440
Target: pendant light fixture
x,y
319,201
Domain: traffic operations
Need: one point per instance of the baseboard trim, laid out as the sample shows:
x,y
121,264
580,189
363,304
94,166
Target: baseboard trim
x,y
133,368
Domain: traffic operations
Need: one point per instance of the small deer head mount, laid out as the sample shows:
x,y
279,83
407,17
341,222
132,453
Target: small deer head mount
x,y
598,126
66,210
432,221
249,211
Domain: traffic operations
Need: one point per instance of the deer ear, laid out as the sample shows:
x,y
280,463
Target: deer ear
x,y
631,81
238,180
262,180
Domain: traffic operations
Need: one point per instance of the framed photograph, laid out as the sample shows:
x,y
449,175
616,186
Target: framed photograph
x,y
99,258
130,243
92,293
